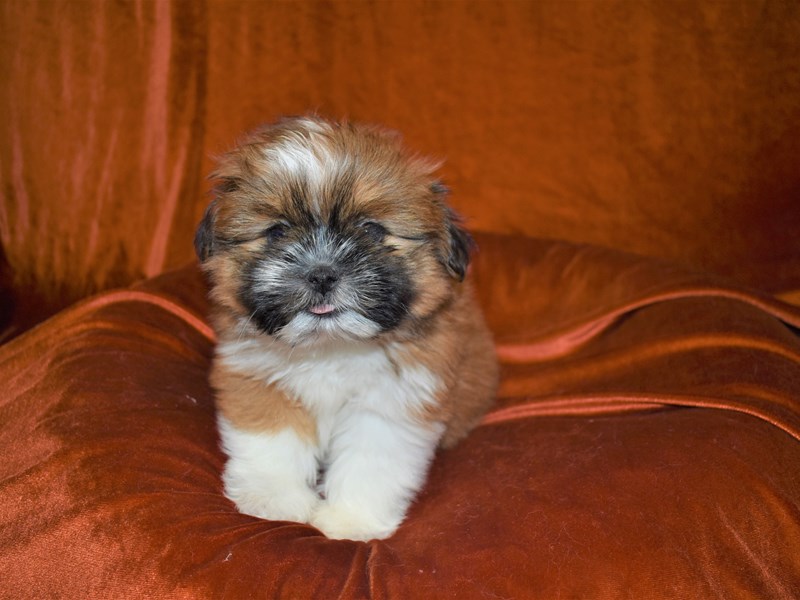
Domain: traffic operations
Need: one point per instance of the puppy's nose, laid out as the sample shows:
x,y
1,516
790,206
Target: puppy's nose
x,y
323,278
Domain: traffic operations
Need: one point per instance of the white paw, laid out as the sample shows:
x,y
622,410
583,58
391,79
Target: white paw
x,y
341,523
279,503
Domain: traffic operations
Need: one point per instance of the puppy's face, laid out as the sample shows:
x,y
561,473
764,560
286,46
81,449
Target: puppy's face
x,y
323,231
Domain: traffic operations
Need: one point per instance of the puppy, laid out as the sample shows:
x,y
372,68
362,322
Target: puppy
x,y
350,345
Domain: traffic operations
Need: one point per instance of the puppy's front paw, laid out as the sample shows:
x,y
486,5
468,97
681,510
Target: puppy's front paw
x,y
279,503
341,523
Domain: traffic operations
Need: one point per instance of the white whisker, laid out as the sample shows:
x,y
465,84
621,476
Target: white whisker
x,y
243,327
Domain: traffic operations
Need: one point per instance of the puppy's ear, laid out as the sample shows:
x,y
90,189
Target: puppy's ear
x,y
460,246
458,243
204,236
204,239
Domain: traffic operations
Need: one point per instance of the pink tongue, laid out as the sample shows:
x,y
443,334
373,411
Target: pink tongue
x,y
322,309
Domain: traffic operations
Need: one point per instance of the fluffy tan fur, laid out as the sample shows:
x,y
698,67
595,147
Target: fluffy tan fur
x,y
443,331
392,187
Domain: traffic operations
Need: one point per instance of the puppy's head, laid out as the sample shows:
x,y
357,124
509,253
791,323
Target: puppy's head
x,y
322,230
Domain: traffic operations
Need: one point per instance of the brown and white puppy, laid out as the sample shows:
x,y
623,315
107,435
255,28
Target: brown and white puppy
x,y
350,345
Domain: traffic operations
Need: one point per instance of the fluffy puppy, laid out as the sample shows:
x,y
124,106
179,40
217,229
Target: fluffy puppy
x,y
350,345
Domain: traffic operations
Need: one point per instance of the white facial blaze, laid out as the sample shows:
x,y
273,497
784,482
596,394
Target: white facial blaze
x,y
297,160
306,158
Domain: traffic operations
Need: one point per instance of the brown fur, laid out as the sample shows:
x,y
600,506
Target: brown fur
x,y
459,349
252,405
445,330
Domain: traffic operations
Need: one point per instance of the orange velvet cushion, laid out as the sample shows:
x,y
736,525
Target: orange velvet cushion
x,y
645,443
669,129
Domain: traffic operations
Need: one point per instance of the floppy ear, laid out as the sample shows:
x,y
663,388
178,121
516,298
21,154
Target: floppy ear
x,y
458,243
204,236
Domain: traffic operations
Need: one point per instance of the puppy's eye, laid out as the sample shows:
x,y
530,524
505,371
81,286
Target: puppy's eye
x,y
375,231
275,232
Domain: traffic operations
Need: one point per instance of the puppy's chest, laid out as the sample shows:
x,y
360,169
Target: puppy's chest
x,y
367,380
327,382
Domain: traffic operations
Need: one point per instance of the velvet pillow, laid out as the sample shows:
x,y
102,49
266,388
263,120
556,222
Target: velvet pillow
x,y
644,444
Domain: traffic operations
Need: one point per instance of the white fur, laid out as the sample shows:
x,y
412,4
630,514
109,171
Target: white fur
x,y
297,159
305,155
375,467
374,451
269,475
305,328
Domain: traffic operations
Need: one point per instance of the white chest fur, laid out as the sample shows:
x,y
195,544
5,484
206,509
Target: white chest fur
x,y
333,381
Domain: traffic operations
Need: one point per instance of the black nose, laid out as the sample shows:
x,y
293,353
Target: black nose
x,y
323,278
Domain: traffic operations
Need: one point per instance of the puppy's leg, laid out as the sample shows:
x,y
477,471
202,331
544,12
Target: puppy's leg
x,y
270,474
376,466
271,443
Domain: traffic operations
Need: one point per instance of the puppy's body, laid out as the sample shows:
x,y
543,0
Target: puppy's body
x,y
349,347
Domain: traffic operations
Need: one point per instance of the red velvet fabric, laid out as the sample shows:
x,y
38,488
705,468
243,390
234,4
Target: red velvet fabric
x,y
644,444
645,440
